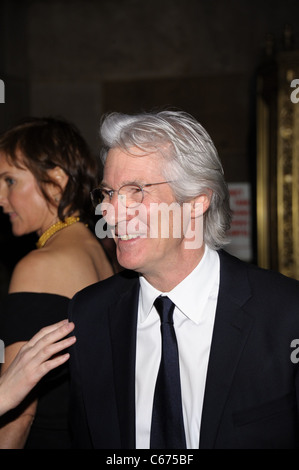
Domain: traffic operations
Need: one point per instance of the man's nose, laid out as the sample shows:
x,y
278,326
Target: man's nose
x,y
113,210
116,209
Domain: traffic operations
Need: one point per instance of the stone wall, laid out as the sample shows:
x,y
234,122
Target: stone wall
x,y
81,58
84,57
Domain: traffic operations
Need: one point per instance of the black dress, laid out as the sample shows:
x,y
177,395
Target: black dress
x,y
21,316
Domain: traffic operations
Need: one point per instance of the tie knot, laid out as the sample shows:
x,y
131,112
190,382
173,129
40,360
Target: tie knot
x,y
165,308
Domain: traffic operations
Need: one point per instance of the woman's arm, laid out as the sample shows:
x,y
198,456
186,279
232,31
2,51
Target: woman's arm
x,y
26,363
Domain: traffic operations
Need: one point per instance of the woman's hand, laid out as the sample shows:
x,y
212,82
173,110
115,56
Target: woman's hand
x,y
34,360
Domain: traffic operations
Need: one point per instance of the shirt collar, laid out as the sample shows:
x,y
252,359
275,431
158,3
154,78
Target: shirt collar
x,y
147,296
201,284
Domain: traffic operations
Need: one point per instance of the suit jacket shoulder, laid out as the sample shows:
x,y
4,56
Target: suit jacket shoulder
x,y
251,391
102,294
102,363
269,289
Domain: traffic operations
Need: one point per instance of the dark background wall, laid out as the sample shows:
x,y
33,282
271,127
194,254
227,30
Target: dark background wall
x,y
82,58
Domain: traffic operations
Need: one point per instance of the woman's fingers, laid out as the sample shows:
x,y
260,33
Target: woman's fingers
x,y
47,343
46,357
34,360
60,329
47,366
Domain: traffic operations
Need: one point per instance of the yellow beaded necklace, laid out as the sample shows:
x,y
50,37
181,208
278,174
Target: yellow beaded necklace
x,y
55,228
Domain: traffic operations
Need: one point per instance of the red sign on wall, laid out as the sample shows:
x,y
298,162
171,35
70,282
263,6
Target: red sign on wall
x,y
241,228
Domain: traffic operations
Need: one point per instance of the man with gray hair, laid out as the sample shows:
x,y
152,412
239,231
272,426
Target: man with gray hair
x,y
187,347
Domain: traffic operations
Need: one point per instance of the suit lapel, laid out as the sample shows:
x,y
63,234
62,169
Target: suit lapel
x,y
123,326
231,329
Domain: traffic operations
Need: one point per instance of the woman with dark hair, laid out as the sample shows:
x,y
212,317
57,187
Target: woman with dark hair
x,y
46,175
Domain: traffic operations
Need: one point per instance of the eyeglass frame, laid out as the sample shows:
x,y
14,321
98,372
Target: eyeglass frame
x,y
110,192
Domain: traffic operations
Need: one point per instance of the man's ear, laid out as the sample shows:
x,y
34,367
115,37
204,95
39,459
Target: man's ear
x,y
200,204
60,178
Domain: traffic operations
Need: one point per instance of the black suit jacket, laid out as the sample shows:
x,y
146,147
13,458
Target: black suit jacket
x,y
252,388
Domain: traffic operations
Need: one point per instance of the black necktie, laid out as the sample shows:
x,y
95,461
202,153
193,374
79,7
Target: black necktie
x,y
167,430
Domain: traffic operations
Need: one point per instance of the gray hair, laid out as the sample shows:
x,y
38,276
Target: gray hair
x,y
191,160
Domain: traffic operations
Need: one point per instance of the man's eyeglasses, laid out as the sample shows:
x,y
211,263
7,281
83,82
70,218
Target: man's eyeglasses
x,y
131,195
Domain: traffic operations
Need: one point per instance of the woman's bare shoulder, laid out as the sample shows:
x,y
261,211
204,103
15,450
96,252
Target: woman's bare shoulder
x,y
32,272
86,261
62,268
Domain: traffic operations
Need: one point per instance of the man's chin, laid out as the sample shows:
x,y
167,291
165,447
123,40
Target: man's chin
x,y
127,262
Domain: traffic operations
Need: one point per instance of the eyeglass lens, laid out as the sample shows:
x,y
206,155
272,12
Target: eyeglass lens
x,y
130,195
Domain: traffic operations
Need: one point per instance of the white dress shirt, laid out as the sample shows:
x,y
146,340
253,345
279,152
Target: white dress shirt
x,y
195,299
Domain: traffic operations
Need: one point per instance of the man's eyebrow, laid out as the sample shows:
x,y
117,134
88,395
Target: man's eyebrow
x,y
137,182
104,185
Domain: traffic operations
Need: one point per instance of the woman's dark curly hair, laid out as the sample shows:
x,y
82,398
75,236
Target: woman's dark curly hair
x,y
45,143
